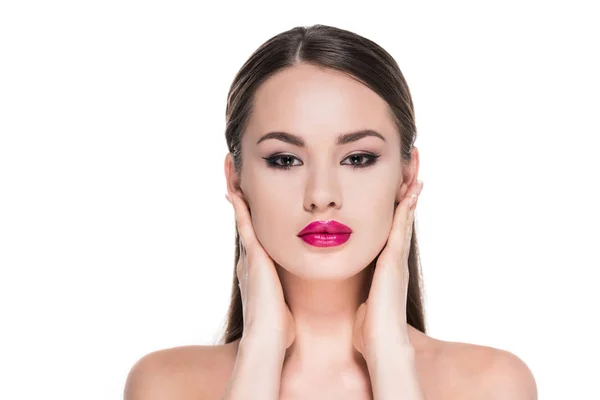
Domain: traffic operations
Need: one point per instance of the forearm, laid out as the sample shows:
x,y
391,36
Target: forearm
x,y
393,373
257,371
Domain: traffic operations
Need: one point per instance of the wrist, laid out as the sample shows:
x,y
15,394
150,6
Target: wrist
x,y
386,347
261,342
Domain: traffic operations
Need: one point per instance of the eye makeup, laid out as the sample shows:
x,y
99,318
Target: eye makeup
x,y
273,160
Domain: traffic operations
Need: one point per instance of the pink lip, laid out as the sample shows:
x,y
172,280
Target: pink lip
x,y
325,239
325,233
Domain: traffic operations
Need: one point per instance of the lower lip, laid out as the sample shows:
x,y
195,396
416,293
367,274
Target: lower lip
x,y
326,239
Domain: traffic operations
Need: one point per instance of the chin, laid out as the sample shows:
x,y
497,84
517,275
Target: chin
x,y
336,266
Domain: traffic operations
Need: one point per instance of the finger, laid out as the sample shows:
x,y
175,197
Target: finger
x,y
411,216
243,221
409,229
402,221
242,274
240,266
247,236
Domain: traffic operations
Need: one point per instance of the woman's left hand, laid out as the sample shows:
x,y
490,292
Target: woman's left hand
x,y
383,316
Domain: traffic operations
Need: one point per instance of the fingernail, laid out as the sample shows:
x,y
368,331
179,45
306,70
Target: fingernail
x,y
228,197
420,183
412,200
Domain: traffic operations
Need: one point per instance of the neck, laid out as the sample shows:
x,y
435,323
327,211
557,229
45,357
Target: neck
x,y
324,313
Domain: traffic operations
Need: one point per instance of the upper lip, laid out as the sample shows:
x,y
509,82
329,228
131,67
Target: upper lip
x,y
331,226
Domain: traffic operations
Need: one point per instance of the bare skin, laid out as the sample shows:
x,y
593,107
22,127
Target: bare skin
x,y
323,292
447,371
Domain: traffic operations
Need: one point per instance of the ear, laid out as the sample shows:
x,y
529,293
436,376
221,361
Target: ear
x,y
233,180
410,173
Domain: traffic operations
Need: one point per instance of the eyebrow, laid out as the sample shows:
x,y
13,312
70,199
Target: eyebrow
x,y
342,139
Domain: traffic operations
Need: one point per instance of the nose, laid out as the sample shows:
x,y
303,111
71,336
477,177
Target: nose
x,y
322,192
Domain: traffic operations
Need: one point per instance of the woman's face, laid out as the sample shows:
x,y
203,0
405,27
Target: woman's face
x,y
322,181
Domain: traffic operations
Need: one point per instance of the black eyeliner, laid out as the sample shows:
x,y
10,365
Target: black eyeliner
x,y
270,161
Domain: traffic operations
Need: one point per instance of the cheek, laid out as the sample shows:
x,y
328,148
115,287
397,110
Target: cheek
x,y
277,216
272,218
381,224
375,211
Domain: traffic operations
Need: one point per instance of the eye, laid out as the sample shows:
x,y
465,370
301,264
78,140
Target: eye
x,y
370,160
286,164
360,160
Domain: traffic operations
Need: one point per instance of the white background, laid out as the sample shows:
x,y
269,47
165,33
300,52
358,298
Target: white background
x,y
115,236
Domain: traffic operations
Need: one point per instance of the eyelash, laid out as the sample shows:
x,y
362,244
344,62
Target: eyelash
x,y
371,160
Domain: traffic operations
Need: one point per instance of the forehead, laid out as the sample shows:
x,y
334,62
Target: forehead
x,y
313,102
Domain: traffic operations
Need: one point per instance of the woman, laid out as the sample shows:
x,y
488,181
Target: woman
x,y
326,295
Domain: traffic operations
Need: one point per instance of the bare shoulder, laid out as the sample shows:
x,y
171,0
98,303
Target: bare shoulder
x,y
185,372
488,373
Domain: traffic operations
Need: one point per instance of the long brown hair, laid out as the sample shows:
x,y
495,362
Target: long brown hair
x,y
363,60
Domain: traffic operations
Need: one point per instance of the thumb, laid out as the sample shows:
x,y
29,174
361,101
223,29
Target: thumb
x,y
357,339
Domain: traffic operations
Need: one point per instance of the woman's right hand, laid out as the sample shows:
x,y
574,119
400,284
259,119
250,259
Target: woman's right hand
x,y
266,314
